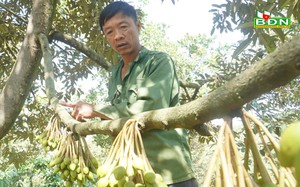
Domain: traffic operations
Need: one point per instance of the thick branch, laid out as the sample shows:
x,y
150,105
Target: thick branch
x,y
18,85
81,47
277,69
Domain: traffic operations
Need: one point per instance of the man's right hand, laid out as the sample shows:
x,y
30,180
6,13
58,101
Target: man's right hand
x,y
83,110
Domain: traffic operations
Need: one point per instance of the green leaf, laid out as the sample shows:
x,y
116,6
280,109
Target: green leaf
x,y
267,41
212,31
213,10
282,3
215,5
245,25
280,33
243,45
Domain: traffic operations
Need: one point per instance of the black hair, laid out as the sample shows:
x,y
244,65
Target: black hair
x,y
114,8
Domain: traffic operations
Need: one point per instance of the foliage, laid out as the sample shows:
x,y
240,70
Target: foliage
x,y
70,66
35,172
239,15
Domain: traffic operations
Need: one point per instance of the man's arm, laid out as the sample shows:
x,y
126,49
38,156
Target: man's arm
x,y
83,110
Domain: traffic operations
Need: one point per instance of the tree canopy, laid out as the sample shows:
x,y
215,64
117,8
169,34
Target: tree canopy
x,y
79,51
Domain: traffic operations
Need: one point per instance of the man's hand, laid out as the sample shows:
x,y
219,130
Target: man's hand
x,y
83,110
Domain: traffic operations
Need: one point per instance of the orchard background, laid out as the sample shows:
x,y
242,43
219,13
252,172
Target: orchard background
x,y
80,53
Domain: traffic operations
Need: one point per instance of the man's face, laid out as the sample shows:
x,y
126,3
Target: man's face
x,y
122,33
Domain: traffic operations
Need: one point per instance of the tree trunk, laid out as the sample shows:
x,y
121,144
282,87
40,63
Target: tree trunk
x,y
277,69
17,87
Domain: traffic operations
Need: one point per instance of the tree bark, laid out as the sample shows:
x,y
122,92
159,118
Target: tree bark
x,y
24,72
277,69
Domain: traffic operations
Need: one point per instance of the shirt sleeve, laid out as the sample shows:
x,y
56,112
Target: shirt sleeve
x,y
158,89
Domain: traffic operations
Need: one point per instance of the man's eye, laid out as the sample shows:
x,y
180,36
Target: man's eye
x,y
108,32
123,26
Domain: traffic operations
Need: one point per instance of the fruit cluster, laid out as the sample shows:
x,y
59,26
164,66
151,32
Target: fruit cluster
x,y
72,157
52,134
74,160
127,164
289,153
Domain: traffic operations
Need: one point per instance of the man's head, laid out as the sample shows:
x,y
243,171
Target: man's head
x,y
114,8
119,23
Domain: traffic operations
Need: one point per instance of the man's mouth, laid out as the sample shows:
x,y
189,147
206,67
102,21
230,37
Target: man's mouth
x,y
121,45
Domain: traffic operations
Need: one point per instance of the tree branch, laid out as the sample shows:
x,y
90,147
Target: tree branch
x,y
18,84
100,60
277,69
50,87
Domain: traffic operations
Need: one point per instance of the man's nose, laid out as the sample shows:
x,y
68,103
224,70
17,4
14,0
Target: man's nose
x,y
118,35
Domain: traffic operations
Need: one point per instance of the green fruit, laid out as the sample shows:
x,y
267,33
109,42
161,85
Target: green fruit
x,y
54,145
56,169
66,173
48,148
297,168
80,177
58,160
62,176
50,143
122,181
69,184
102,170
44,142
129,184
67,160
51,164
73,174
102,182
76,161
78,170
119,172
85,170
51,138
41,136
62,165
79,183
158,178
72,179
72,166
90,176
149,177
289,146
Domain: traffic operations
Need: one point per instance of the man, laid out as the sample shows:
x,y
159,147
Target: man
x,y
143,80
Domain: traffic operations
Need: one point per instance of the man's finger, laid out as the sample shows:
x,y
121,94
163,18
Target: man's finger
x,y
74,113
63,103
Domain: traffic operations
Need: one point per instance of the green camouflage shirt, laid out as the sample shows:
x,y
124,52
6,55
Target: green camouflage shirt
x,y
151,83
